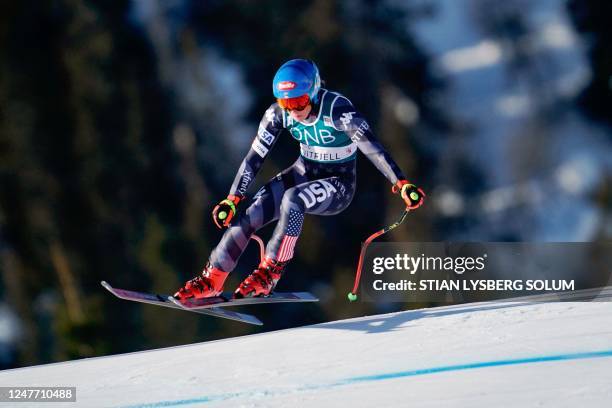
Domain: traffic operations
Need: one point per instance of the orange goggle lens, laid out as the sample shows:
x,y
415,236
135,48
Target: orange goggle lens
x,y
298,104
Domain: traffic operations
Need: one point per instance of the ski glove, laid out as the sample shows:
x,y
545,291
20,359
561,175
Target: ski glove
x,y
412,195
225,211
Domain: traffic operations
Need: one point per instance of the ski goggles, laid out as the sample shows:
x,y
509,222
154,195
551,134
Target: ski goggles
x,y
297,104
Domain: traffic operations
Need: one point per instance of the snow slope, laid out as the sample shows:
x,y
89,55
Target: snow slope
x,y
491,354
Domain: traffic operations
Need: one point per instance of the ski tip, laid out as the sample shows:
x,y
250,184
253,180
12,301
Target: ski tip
x,y
105,285
219,312
245,318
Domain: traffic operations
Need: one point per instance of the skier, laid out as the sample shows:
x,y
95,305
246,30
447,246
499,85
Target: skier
x,y
322,181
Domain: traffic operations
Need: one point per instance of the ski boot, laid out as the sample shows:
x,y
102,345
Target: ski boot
x,y
262,281
207,284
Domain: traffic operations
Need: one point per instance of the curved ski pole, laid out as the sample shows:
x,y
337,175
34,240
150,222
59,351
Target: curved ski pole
x,y
352,295
262,246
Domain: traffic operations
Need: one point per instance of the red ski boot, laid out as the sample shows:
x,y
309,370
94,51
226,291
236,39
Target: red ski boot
x,y
262,281
208,284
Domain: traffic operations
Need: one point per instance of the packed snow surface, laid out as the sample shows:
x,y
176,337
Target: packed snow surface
x,y
491,354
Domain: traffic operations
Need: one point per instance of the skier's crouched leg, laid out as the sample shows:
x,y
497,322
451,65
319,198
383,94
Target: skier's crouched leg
x,y
224,257
280,248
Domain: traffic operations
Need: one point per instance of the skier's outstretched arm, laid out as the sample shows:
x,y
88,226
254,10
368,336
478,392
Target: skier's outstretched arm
x,y
346,118
267,134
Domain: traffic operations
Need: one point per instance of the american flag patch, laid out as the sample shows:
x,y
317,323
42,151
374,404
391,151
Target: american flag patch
x,y
294,227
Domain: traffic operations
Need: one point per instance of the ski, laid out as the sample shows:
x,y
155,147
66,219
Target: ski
x,y
164,301
226,300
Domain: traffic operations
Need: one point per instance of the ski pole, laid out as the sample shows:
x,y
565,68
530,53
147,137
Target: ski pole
x,y
262,247
352,295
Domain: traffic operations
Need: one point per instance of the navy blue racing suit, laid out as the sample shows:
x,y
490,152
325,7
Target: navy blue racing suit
x,y
322,180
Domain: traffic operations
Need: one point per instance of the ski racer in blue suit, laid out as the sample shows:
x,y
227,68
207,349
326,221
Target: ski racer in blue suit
x,y
322,180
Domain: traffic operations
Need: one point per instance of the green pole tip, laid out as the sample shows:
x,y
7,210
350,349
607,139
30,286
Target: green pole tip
x,y
352,297
222,215
414,196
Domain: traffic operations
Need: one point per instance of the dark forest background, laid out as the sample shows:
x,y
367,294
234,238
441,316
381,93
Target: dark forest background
x,y
116,141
